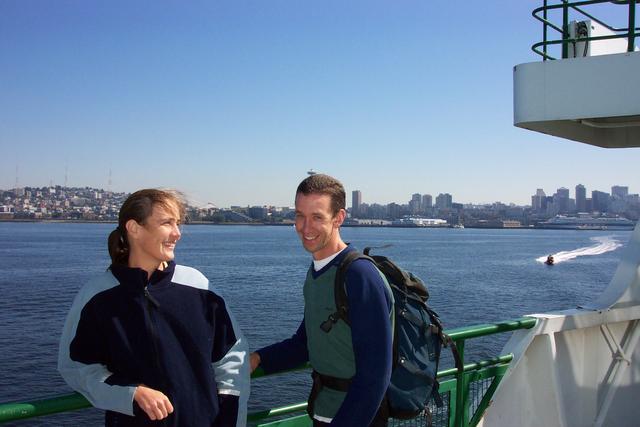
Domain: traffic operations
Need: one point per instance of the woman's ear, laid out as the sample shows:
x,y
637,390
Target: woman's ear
x,y
133,229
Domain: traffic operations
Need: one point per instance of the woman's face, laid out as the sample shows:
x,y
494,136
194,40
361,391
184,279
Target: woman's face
x,y
154,241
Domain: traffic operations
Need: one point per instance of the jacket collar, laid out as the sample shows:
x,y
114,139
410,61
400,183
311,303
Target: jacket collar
x,y
136,278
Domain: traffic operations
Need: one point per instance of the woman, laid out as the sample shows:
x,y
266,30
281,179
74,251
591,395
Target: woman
x,y
148,340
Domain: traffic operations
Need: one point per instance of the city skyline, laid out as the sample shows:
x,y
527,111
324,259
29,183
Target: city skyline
x,y
618,209
233,102
351,197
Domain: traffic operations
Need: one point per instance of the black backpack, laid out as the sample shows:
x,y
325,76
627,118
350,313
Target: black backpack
x,y
418,337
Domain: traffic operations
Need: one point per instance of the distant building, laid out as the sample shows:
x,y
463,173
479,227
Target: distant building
x,y
561,200
619,192
258,212
427,201
415,204
419,222
376,211
356,201
493,223
233,216
444,201
581,198
394,210
588,205
538,201
600,200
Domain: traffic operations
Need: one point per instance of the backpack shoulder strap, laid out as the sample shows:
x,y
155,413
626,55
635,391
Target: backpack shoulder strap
x,y
339,291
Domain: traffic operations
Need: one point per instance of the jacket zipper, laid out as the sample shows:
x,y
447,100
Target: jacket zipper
x,y
151,303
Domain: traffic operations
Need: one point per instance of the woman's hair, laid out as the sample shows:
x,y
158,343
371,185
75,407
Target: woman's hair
x,y
139,207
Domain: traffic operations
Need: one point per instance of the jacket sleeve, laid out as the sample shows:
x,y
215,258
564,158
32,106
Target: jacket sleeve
x,y
370,308
286,354
231,370
84,371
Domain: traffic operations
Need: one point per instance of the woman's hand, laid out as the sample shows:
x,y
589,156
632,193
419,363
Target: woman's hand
x,y
153,402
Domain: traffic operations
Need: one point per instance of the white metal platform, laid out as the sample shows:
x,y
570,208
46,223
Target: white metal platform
x,y
595,100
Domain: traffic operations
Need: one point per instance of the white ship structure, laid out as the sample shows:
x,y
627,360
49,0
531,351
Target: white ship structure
x,y
580,367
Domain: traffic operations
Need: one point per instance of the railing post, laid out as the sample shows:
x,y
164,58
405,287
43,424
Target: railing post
x,y
461,394
544,31
452,408
565,29
632,26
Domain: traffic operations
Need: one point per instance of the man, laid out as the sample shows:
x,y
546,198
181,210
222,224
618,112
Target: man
x,y
352,365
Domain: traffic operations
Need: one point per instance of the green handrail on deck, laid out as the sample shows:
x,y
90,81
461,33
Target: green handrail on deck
x,y
275,412
41,407
458,406
476,331
629,32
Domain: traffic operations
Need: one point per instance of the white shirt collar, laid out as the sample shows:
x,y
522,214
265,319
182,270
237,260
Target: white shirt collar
x,y
321,263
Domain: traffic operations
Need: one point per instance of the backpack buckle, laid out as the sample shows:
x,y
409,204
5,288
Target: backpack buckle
x,y
328,324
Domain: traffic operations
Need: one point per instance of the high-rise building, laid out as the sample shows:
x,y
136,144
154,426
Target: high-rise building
x,y
561,200
538,202
600,200
581,198
394,210
588,205
444,201
427,201
356,201
415,203
619,192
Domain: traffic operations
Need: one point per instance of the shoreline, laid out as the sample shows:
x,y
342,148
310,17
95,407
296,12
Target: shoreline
x,y
286,224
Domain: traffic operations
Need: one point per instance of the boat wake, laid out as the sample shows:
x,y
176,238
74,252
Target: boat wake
x,y
604,244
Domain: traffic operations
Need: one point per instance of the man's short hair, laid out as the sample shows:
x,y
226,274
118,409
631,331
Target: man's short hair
x,y
324,184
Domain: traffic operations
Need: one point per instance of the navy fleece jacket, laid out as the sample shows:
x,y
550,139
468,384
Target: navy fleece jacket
x,y
171,333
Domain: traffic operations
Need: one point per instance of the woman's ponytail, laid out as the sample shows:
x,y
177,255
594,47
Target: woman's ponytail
x,y
118,246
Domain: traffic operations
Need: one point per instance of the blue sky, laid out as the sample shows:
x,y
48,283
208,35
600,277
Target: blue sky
x,y
233,101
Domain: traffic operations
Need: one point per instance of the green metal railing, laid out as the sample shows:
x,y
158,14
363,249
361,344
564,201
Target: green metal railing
x,y
629,32
466,394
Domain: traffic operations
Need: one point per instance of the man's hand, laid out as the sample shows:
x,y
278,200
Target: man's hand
x,y
153,402
254,361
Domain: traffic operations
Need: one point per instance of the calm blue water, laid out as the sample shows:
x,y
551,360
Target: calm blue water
x,y
474,276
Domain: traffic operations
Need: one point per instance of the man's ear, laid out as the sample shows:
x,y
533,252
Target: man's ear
x,y
340,217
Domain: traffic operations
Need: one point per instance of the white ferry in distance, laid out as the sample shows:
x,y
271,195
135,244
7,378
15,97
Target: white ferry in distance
x,y
587,223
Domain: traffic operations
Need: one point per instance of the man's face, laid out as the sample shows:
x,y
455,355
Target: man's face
x,y
316,225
